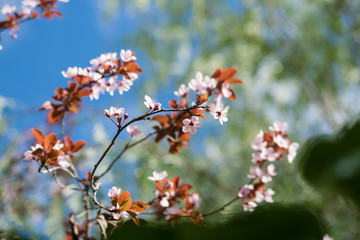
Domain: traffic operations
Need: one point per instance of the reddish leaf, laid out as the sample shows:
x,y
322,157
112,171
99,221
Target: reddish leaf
x,y
184,102
203,98
217,73
234,81
73,108
227,73
49,141
39,136
196,111
84,93
55,115
124,201
184,137
78,145
173,103
53,154
138,207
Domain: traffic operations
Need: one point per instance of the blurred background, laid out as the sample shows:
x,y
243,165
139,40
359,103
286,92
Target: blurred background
x,y
300,63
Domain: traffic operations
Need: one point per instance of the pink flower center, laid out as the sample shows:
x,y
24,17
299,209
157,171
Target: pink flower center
x,y
218,113
191,124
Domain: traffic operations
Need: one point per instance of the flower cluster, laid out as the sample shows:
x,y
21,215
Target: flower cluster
x,y
102,76
117,112
168,193
49,150
270,147
123,207
177,126
30,9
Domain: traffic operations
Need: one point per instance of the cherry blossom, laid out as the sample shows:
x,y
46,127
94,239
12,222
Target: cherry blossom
x,y
271,170
269,154
133,131
219,112
292,151
245,190
124,86
327,237
259,143
158,176
7,9
202,84
70,72
249,205
29,156
114,111
112,85
281,141
58,146
195,200
182,92
29,3
127,55
190,125
152,104
279,126
99,87
268,195
118,213
114,192
63,160
46,105
225,90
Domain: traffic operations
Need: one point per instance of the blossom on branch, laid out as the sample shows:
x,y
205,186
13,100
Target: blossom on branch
x,y
152,104
158,176
133,131
190,125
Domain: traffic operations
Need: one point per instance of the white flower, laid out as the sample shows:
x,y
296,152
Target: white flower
x,y
195,200
63,160
249,205
114,111
245,190
202,84
279,126
70,72
271,170
29,3
151,104
225,90
29,156
183,91
327,237
259,143
292,151
219,112
112,85
124,86
124,214
133,131
269,154
190,125
7,9
127,55
59,145
281,141
114,192
164,202
158,176
268,195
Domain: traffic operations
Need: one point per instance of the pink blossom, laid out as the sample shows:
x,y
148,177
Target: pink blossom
x,y
63,160
158,176
256,159
109,59
124,86
151,104
279,126
1,47
249,205
172,210
225,90
183,91
127,55
133,131
195,200
259,143
281,141
114,192
269,154
47,105
29,3
327,237
118,213
59,145
190,125
7,9
164,202
268,195
219,112
112,85
99,87
29,156
70,72
271,170
292,151
245,190
114,111
202,84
